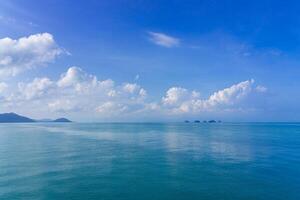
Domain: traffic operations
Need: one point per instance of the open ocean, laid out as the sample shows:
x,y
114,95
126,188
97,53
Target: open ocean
x,y
150,161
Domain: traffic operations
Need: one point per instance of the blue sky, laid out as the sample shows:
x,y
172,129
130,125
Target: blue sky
x,y
158,55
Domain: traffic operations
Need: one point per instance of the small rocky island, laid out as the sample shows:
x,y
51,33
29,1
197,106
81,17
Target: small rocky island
x,y
15,118
205,121
62,120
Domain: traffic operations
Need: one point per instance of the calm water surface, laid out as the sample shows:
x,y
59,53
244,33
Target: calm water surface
x,y
150,161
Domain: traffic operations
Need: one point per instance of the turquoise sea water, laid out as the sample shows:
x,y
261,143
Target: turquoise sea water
x,y
150,161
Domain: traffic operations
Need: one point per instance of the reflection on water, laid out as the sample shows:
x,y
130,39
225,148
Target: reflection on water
x,y
149,161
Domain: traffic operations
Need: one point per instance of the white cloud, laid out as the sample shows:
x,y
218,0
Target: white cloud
x,y
111,108
37,88
230,95
26,53
72,77
136,91
130,88
77,92
260,88
142,93
164,40
175,95
62,105
180,100
76,78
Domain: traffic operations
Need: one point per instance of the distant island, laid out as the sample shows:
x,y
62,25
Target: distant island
x,y
210,121
62,120
15,118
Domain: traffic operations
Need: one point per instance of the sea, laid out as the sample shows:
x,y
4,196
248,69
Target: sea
x,y
149,161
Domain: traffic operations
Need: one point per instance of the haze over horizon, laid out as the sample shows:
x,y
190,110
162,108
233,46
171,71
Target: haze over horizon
x,y
145,60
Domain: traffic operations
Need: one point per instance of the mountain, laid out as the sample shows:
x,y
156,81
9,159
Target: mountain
x,y
61,120
14,118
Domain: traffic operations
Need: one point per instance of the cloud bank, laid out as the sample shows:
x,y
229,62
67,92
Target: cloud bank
x,y
77,92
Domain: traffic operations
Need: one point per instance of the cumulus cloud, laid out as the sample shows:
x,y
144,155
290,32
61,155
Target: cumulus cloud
x,y
130,88
133,88
38,87
18,55
180,100
111,108
78,91
175,95
62,106
73,77
164,40
76,78
231,95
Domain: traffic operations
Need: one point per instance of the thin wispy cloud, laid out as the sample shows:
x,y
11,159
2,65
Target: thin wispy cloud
x,y
5,19
15,22
164,40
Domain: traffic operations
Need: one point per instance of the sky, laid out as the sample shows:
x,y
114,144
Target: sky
x,y
150,60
